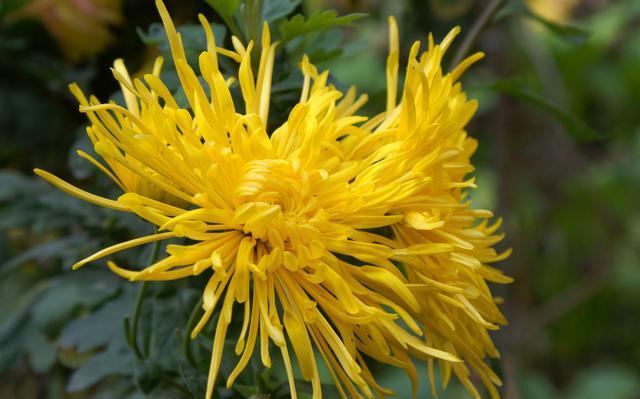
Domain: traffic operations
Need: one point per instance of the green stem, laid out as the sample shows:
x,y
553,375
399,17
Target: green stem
x,y
136,317
138,306
477,27
233,26
253,22
187,335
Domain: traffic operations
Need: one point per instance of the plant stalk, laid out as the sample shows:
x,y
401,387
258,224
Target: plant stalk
x,y
477,27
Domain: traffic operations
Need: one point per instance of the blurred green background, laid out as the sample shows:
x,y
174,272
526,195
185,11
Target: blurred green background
x,y
558,127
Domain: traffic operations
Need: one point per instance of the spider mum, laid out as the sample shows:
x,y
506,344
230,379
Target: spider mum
x,y
342,237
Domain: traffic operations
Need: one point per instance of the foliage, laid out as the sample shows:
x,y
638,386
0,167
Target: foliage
x,y
319,21
558,132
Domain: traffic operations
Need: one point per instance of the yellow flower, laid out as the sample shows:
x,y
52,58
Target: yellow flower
x,y
342,237
81,27
554,10
137,114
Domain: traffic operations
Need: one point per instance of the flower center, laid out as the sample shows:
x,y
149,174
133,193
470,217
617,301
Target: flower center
x,y
273,181
274,202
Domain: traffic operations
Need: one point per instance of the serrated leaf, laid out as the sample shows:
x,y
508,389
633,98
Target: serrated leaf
x,y
192,35
572,124
14,184
246,391
194,42
42,352
69,293
43,251
154,35
21,309
99,328
319,21
226,8
56,200
276,9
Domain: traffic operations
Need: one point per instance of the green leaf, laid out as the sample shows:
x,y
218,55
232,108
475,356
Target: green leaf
x,y
17,335
193,39
194,42
226,8
327,49
42,252
361,70
572,124
111,362
319,21
536,386
9,355
21,309
610,382
148,376
246,391
70,292
42,352
79,167
99,328
121,388
276,9
13,184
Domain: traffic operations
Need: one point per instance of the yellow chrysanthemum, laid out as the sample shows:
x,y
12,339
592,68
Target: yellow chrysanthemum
x,y
81,27
343,237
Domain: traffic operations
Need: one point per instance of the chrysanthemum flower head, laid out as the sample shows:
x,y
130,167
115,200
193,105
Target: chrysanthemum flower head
x,y
344,238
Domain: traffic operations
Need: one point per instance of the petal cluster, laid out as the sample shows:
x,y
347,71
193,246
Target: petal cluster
x,y
343,238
